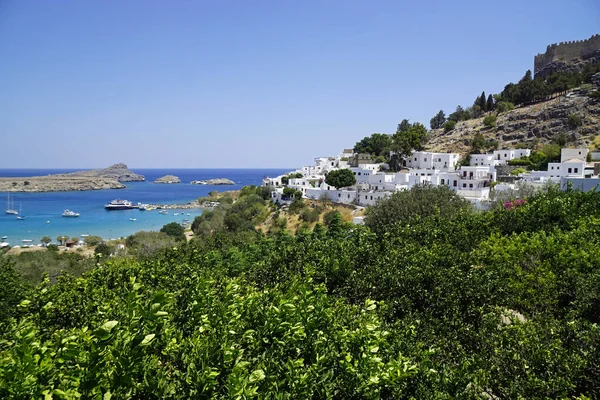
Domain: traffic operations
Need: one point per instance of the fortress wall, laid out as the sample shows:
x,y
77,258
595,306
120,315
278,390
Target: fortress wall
x,y
567,51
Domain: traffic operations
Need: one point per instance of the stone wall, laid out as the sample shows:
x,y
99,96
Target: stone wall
x,y
577,49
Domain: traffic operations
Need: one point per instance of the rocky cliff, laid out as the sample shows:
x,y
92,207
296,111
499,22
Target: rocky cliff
x,y
119,172
168,179
539,122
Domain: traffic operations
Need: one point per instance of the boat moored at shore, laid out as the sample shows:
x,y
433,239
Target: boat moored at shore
x,y
119,204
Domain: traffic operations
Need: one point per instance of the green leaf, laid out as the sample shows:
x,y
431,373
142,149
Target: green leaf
x,y
257,376
107,396
147,339
109,326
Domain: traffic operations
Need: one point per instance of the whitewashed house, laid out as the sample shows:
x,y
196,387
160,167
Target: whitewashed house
x,y
503,156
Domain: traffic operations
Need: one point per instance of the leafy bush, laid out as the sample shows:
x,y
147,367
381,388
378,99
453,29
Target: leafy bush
x,y
504,106
310,215
175,230
93,240
421,200
449,126
518,171
52,247
297,206
441,304
574,121
330,216
490,120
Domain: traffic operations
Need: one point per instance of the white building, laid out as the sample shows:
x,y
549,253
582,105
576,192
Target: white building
x,y
503,156
570,154
428,160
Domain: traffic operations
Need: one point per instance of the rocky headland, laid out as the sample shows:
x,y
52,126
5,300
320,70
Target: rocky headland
x,y
93,179
215,181
118,172
168,179
55,183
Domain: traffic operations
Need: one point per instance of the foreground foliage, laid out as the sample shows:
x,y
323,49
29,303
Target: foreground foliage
x,y
499,304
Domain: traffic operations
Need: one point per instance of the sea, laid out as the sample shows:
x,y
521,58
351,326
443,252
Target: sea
x,y
43,211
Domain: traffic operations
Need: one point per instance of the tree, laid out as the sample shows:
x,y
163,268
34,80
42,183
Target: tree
x,y
75,240
45,240
490,105
104,249
61,239
93,240
481,102
438,120
403,126
377,144
340,178
174,230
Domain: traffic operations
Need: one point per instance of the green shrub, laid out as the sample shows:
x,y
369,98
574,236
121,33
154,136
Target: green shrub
x,y
449,125
504,106
309,215
330,216
518,171
490,120
574,121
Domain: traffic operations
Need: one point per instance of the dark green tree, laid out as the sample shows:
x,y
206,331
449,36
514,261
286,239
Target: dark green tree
x,y
490,105
403,126
340,178
438,120
174,230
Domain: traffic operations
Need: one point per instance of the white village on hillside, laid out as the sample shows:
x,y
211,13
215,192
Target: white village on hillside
x,y
474,182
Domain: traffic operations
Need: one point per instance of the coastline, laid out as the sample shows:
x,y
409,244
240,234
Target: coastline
x,y
40,184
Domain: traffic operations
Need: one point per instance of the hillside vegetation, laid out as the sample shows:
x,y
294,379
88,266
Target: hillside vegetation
x,y
443,302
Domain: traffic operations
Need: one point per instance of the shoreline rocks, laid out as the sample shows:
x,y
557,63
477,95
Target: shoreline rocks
x,y
215,181
168,179
57,184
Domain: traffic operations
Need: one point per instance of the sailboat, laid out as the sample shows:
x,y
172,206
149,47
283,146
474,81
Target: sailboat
x,y
20,216
9,209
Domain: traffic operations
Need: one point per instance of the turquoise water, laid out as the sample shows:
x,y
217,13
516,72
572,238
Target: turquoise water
x,y
43,211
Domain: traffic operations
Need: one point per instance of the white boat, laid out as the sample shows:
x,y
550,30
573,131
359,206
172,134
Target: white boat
x,y
70,214
4,238
9,207
163,212
119,204
21,216
132,219
175,213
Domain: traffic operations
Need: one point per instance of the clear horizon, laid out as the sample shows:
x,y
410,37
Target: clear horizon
x,y
251,85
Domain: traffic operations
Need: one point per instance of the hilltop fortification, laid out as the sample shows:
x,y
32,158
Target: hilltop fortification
x,y
567,56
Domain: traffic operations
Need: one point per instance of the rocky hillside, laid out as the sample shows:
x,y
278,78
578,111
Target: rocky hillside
x,y
539,122
119,172
55,183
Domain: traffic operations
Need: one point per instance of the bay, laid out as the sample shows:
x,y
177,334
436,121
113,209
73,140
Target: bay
x,y
43,211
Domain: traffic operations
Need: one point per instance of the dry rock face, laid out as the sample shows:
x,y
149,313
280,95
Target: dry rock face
x,y
538,122
168,179
119,172
216,181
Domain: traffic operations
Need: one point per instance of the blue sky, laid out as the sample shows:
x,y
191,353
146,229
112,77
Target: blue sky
x,y
257,83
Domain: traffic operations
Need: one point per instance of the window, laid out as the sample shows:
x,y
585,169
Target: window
x,y
552,168
454,184
425,159
371,197
471,185
415,158
339,195
442,181
464,185
359,174
557,168
577,169
569,170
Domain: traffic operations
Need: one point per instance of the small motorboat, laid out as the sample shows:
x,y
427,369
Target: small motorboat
x,y
132,219
70,214
4,238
